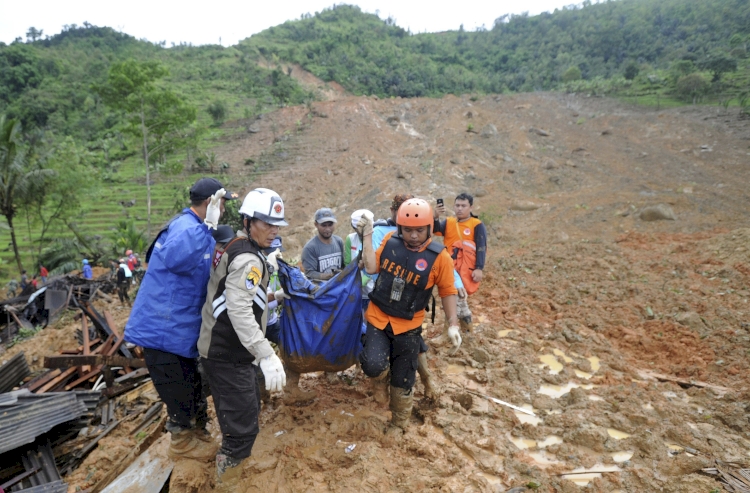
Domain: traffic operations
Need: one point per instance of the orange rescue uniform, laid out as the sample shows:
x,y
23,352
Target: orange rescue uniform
x,y
441,275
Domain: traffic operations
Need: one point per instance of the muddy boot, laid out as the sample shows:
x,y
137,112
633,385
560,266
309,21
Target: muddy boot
x,y
228,473
431,389
465,323
402,401
292,392
192,444
380,387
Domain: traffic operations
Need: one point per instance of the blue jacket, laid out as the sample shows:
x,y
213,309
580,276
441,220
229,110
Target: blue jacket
x,y
166,314
87,272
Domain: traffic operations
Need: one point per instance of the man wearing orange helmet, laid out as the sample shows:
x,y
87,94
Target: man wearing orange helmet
x,y
408,265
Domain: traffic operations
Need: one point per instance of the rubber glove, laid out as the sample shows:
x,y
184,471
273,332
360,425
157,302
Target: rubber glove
x,y
273,371
454,334
280,295
273,259
213,211
364,226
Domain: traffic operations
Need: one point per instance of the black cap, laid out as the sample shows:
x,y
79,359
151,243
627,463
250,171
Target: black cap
x,y
205,187
223,234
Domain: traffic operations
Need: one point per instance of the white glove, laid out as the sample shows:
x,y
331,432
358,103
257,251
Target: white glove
x,y
454,334
273,257
280,295
213,211
364,226
273,371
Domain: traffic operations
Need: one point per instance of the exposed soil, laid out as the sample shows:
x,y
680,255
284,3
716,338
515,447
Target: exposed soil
x,y
573,274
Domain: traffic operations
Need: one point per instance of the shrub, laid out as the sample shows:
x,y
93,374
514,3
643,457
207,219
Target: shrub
x,y
218,111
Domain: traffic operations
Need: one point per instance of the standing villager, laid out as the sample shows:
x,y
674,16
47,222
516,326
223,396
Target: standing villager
x,y
232,339
166,316
12,288
466,240
124,277
43,273
323,255
408,265
86,270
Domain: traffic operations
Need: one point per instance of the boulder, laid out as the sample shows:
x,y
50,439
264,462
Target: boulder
x,y
488,131
659,212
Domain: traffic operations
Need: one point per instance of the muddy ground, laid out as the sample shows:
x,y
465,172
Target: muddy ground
x,y
585,310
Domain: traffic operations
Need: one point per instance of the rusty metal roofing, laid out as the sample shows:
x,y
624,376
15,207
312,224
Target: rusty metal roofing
x,y
13,371
32,415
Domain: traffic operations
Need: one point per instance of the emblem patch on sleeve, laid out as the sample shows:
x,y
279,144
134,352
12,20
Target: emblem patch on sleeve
x,y
253,278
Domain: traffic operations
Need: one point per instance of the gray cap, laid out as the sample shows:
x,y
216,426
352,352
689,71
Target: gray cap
x,y
324,215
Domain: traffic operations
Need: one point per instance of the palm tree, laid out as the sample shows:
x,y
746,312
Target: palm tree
x,y
15,176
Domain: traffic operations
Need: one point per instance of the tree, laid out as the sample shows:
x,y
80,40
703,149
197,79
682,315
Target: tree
x,y
153,112
572,74
692,87
16,176
218,111
49,201
33,34
631,71
718,65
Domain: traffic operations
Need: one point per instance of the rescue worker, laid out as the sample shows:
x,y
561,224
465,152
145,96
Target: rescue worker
x,y
323,255
466,240
408,265
166,316
232,339
352,247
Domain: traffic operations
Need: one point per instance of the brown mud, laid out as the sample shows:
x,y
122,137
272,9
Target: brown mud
x,y
582,305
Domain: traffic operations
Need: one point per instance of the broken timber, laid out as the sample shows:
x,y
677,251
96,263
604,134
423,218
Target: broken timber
x,y
68,360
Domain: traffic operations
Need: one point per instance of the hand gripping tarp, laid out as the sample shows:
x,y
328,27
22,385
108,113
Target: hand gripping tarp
x,y
321,324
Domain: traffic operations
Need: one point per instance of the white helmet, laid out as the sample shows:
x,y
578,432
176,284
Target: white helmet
x,y
358,214
264,204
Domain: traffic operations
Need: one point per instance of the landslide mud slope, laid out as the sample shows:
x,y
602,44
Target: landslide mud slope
x,y
586,312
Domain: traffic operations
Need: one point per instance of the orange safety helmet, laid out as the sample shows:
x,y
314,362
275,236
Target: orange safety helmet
x,y
414,212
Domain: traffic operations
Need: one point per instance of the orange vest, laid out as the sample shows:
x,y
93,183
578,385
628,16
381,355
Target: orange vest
x,y
459,238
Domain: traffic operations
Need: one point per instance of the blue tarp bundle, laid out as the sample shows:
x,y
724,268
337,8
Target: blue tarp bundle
x,y
321,323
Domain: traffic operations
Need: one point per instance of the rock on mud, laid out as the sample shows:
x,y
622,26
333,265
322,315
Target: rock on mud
x,y
480,355
691,320
658,212
524,205
488,130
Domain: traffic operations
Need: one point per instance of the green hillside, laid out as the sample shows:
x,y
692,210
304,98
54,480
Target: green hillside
x,y
519,53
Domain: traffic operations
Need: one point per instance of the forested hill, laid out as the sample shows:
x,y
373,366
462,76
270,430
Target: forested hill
x,y
519,53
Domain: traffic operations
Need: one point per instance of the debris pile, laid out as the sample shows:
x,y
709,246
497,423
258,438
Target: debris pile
x,y
50,420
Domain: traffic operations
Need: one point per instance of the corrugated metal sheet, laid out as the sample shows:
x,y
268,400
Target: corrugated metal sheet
x,y
55,487
13,371
33,414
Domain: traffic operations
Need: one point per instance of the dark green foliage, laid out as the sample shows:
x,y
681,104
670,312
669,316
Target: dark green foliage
x,y
520,53
572,74
692,87
631,71
218,111
718,64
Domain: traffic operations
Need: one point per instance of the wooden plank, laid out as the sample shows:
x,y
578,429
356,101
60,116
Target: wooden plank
x,y
111,323
42,379
67,360
58,380
91,374
86,349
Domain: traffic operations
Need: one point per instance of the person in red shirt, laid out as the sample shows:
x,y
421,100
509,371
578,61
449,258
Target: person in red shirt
x,y
408,265
43,273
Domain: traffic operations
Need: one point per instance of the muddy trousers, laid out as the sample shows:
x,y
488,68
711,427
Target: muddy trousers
x,y
383,349
237,402
122,291
179,385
